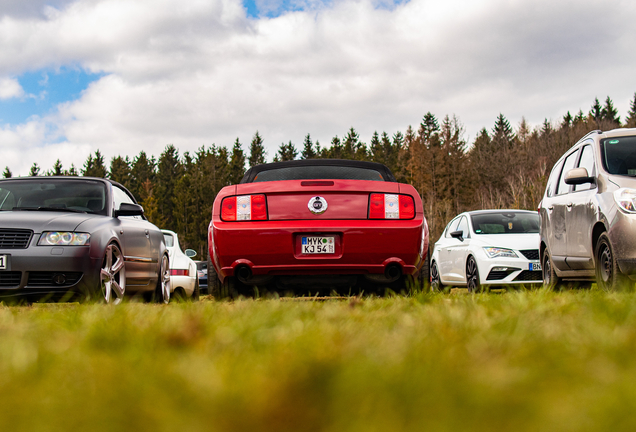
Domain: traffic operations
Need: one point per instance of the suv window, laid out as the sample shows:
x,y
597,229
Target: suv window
x,y
587,162
552,180
568,164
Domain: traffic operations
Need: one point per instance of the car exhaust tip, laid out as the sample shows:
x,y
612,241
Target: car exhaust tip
x,y
244,274
392,272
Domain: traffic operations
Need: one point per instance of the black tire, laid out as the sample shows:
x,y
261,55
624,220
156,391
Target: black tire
x,y
197,291
472,276
227,290
214,284
162,290
436,281
424,275
550,279
608,276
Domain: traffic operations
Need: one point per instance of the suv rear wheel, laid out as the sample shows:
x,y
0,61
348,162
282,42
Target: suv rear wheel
x,y
550,278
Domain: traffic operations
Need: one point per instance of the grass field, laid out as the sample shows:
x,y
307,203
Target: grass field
x,y
522,361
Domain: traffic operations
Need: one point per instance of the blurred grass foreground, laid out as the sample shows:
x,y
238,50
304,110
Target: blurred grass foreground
x,y
522,361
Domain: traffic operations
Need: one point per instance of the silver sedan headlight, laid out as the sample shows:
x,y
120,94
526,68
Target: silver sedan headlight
x,y
64,238
495,252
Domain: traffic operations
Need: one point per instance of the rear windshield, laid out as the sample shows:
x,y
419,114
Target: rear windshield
x,y
505,223
319,173
619,155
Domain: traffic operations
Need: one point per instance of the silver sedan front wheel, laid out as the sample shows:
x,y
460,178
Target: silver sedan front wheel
x,y
113,275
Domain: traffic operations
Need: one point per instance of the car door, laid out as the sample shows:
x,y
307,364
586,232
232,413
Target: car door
x,y
459,251
444,256
556,210
581,215
134,233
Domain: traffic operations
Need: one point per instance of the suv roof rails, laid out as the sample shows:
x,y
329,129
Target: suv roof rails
x,y
597,131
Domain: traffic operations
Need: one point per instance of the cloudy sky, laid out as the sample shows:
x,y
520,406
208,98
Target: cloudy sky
x,y
123,76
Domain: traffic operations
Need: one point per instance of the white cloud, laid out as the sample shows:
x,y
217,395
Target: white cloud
x,y
199,72
10,88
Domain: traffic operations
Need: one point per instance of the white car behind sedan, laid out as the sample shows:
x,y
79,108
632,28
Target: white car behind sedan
x,y
486,248
183,271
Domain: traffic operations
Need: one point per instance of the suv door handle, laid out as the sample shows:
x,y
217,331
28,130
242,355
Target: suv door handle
x,y
569,205
551,208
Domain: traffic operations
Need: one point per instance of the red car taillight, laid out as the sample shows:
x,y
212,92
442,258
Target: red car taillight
x,y
244,208
391,206
179,272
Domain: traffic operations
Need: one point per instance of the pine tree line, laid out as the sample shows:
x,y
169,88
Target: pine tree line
x,y
503,168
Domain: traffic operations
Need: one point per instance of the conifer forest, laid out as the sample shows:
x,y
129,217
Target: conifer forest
x,y
505,166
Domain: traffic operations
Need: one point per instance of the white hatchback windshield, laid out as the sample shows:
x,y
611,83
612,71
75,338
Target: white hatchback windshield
x,y
505,223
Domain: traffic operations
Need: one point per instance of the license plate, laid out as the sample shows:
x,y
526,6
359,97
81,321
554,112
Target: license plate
x,y
3,262
535,266
318,245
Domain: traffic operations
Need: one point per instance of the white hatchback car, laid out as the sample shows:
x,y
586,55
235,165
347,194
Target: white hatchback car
x,y
488,247
183,271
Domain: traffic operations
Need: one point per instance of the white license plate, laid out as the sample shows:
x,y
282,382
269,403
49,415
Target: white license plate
x,y
3,262
318,245
535,266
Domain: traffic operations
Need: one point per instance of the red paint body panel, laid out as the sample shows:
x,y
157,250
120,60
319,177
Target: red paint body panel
x,y
362,246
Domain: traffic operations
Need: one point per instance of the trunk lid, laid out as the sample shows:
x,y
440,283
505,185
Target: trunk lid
x,y
292,199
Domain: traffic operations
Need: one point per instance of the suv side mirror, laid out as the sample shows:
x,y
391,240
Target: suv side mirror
x,y
190,253
459,235
128,209
577,176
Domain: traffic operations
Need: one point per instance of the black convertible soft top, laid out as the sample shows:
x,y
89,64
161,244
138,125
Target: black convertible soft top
x,y
252,173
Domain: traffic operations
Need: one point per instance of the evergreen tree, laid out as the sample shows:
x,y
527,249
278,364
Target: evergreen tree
x,y
286,152
35,170
596,112
120,170
94,166
335,152
376,148
630,121
257,151
142,171
7,173
72,171
567,120
57,169
308,149
609,113
169,171
237,164
429,128
502,134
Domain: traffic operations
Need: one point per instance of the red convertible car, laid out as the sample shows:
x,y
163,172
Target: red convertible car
x,y
316,226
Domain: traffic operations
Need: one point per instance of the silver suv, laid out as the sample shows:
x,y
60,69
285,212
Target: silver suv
x,y
588,213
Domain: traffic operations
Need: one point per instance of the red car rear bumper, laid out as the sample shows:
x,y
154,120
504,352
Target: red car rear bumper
x,y
362,246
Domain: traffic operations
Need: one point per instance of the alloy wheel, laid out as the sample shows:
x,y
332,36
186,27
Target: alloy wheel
x,y
435,278
113,275
472,275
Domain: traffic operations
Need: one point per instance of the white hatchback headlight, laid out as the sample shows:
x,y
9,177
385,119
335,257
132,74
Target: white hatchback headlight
x,y
64,238
626,199
495,252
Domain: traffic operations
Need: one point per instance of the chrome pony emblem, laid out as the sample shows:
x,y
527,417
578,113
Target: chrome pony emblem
x,y
317,205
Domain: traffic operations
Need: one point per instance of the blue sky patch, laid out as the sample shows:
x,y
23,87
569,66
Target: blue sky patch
x,y
44,90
